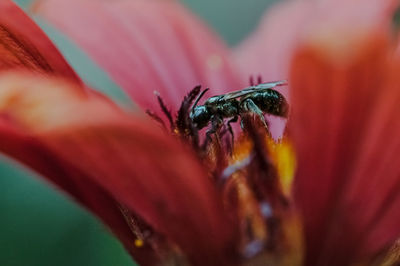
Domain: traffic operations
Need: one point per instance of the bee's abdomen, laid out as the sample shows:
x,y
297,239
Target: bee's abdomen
x,y
271,102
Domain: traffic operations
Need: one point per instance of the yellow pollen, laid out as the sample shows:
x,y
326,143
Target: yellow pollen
x,y
139,243
282,154
242,149
284,159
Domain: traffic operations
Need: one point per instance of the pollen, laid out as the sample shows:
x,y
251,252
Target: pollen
x,y
282,155
138,243
243,147
284,159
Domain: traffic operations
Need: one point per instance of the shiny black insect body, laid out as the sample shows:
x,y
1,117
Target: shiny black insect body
x,y
258,100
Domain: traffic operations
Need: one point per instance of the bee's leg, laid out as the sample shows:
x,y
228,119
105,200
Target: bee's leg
x,y
250,107
216,123
233,120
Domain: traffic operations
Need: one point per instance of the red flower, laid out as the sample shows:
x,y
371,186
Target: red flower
x,y
153,191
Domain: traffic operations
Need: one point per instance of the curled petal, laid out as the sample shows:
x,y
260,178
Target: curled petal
x,y
24,45
24,100
145,46
86,145
345,100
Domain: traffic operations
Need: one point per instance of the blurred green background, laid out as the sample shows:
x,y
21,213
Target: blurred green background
x,y
40,226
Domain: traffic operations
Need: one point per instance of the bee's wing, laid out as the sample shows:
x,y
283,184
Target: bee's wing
x,y
237,94
270,85
257,88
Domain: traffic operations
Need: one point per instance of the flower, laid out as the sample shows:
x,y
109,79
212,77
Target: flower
x,y
151,189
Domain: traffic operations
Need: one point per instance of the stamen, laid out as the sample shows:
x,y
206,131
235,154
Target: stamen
x,y
156,118
183,121
165,109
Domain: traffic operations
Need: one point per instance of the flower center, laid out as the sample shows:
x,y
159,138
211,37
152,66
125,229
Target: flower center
x,y
252,172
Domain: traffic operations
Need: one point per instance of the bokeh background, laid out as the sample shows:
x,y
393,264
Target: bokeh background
x,y
40,226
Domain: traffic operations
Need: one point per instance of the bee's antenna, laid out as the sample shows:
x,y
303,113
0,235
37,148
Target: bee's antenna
x,y
199,97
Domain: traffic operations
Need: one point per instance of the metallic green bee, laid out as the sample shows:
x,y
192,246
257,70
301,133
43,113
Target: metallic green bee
x,y
258,99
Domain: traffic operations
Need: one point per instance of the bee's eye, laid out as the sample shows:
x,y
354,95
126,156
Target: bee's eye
x,y
200,116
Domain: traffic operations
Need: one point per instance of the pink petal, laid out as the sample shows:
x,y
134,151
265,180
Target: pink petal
x,y
88,147
345,94
24,146
23,44
145,46
269,50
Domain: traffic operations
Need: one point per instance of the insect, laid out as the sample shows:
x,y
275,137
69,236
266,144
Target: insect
x,y
258,99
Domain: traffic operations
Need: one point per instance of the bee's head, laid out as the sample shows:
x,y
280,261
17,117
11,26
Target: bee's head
x,y
200,116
